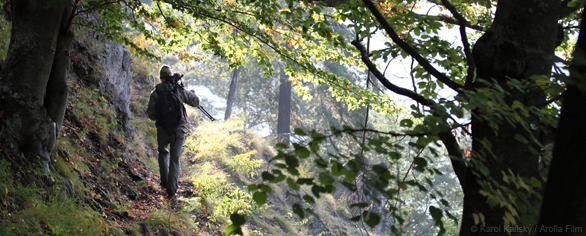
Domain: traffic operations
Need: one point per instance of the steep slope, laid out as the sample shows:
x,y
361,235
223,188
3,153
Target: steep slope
x,y
103,179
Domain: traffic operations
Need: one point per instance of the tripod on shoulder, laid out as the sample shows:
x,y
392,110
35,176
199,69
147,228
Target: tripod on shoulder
x,y
206,113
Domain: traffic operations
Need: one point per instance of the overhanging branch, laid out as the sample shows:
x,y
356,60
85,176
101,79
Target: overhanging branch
x,y
407,48
469,58
394,88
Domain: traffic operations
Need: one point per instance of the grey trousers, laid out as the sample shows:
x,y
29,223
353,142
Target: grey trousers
x,y
170,168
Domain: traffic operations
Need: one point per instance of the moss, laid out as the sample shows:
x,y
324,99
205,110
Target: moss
x,y
56,218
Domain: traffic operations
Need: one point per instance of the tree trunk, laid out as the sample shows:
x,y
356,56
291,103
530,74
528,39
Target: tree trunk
x,y
519,44
284,116
231,93
56,97
27,127
564,204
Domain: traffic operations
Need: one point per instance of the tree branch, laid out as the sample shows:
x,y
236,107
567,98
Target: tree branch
x,y
469,58
396,89
411,51
447,138
449,20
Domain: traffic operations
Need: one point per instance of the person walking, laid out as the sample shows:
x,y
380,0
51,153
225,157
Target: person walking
x,y
166,108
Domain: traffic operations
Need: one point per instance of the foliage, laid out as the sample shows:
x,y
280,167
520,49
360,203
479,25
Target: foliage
x,y
5,27
304,38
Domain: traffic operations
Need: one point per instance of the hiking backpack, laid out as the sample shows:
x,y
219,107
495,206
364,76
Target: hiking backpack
x,y
169,109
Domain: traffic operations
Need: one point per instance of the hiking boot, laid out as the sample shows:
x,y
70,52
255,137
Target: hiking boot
x,y
171,196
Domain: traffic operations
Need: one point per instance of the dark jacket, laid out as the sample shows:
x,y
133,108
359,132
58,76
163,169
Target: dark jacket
x,y
187,97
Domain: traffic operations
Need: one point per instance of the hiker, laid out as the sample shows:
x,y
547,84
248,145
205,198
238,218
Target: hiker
x,y
170,130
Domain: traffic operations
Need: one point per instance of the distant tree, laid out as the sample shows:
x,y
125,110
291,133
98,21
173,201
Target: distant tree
x,y
284,115
231,93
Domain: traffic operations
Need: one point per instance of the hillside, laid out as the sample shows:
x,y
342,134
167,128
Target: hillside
x,y
104,180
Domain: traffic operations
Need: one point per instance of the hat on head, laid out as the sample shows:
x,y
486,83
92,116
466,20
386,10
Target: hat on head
x,y
165,72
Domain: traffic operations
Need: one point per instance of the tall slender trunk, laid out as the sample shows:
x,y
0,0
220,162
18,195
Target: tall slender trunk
x,y
284,116
231,93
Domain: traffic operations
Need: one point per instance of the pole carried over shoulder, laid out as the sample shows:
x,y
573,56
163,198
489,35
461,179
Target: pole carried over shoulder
x,y
206,113
177,79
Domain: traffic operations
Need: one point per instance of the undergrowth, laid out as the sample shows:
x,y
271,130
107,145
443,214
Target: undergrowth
x,y
104,180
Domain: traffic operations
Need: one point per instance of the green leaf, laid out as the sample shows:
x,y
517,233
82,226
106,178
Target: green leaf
x,y
309,199
237,221
436,214
337,168
521,139
281,145
265,188
292,184
267,176
406,123
278,179
299,131
298,210
281,165
534,182
419,164
232,230
292,161
260,198
316,190
372,219
326,179
252,187
302,152
350,175
314,146
306,181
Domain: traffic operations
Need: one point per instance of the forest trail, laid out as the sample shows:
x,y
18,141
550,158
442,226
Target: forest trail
x,y
123,189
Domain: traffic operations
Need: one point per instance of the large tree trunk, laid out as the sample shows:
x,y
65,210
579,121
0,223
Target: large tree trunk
x,y
231,93
284,116
519,44
37,54
564,204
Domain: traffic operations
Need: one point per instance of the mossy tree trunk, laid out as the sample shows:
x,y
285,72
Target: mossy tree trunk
x,y
33,92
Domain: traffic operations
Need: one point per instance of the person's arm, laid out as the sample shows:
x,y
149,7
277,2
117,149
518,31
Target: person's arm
x,y
151,106
190,98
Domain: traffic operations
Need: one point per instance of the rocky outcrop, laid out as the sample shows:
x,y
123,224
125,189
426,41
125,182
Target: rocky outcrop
x,y
105,65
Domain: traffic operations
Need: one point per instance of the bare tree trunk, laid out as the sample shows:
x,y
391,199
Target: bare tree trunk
x,y
284,116
563,202
231,93
26,126
56,97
